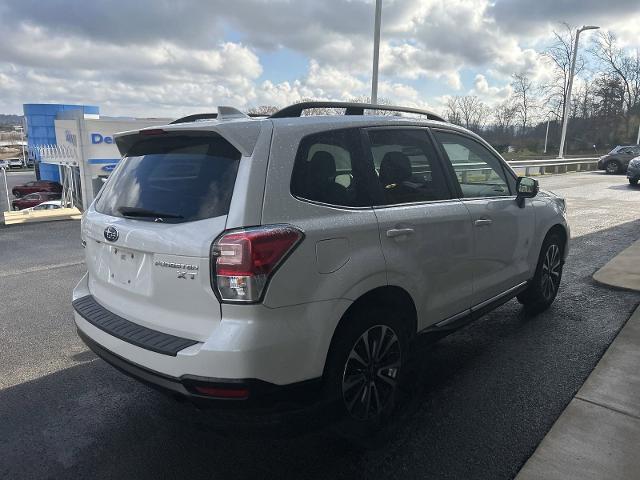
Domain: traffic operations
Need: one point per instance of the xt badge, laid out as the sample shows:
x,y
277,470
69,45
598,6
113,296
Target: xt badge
x,y
187,274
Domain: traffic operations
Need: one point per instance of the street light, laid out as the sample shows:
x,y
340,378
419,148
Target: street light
x,y
6,186
376,52
546,135
567,100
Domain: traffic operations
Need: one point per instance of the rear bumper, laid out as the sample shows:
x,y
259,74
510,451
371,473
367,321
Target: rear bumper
x,y
261,395
278,354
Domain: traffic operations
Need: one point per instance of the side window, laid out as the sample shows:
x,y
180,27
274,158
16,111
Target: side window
x,y
328,169
407,166
479,172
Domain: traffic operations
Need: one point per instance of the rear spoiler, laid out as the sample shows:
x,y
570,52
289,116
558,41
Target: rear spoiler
x,y
242,135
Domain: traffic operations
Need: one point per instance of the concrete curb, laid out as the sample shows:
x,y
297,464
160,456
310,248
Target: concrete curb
x,y
29,216
622,271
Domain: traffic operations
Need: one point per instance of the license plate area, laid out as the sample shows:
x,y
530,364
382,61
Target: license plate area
x,y
124,266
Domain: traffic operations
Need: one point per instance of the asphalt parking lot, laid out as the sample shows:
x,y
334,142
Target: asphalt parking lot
x,y
482,398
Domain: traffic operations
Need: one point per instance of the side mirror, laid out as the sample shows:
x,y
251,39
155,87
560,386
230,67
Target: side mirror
x,y
526,187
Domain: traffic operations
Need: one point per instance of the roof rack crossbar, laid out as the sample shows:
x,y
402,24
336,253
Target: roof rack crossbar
x,y
351,108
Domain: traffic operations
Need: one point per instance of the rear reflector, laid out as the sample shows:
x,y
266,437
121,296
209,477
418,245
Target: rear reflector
x,y
244,260
218,392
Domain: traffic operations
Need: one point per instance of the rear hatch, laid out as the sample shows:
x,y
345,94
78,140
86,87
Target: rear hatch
x,y
148,234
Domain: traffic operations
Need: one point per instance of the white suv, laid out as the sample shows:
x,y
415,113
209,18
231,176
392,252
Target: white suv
x,y
266,261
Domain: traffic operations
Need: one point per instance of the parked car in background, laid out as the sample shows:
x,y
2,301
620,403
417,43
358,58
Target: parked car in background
x,y
36,186
262,262
617,160
33,199
633,171
50,205
15,162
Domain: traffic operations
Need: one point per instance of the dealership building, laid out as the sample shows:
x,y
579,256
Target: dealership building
x,y
73,144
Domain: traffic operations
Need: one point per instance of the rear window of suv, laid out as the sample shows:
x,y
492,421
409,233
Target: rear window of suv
x,y
172,178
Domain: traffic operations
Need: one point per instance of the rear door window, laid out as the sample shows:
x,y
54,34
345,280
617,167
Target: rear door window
x,y
172,178
407,166
329,169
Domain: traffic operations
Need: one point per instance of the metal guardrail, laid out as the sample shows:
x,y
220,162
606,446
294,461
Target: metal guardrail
x,y
556,165
542,166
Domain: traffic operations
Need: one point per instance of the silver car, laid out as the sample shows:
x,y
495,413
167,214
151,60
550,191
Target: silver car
x,y
633,171
271,261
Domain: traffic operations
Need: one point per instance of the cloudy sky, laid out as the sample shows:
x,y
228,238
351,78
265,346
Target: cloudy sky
x,y
174,57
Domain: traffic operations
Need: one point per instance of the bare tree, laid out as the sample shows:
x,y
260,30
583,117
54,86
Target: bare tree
x,y
452,112
504,115
263,110
558,55
468,111
381,101
523,93
617,63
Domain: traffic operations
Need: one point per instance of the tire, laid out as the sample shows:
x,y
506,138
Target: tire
x,y
363,390
633,181
544,286
612,167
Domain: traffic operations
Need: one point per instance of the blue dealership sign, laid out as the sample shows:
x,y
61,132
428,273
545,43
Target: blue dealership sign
x,y
97,139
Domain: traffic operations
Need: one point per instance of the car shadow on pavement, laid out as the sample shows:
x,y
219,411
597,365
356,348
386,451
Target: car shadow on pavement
x,y
477,404
624,186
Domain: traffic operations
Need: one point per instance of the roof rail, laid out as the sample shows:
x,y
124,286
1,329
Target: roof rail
x,y
351,108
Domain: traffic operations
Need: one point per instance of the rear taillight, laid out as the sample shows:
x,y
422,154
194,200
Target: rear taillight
x,y
244,260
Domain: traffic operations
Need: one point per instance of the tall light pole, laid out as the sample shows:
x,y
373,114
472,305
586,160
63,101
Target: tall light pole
x,y
6,187
376,52
546,135
567,100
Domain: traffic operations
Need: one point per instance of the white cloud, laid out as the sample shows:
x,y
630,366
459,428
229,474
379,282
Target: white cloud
x,y
490,94
149,57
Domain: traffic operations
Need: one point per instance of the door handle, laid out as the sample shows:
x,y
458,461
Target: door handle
x,y
483,221
397,232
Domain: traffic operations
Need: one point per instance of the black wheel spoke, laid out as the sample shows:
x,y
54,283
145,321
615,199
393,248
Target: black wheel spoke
x,y
355,356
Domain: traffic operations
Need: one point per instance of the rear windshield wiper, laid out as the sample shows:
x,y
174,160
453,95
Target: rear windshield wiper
x,y
142,212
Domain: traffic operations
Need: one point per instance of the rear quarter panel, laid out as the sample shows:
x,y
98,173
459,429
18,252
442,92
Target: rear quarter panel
x,y
340,256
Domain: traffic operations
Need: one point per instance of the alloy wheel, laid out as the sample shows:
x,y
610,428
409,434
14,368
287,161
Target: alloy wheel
x,y
551,270
371,372
612,167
